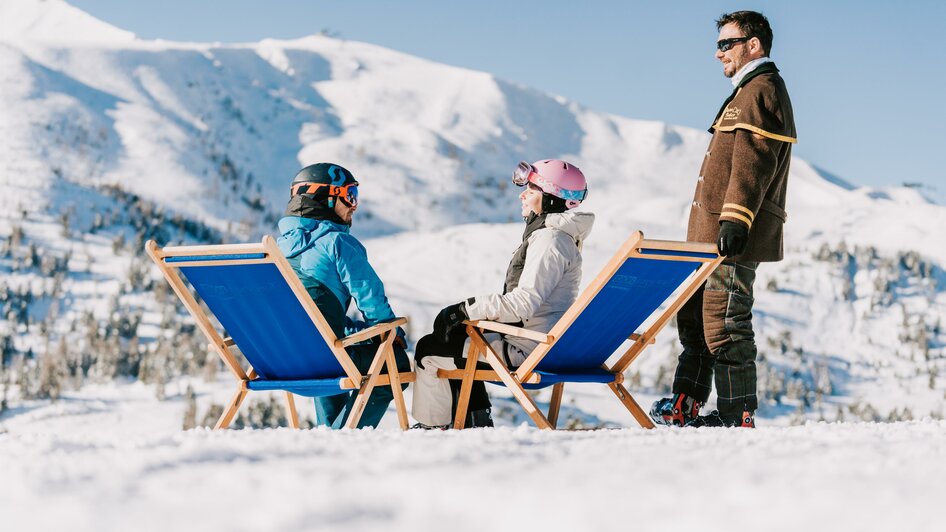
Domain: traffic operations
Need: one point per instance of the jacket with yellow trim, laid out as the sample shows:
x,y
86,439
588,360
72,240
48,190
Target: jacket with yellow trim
x,y
745,171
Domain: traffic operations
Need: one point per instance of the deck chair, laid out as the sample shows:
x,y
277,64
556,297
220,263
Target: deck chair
x,y
259,300
642,276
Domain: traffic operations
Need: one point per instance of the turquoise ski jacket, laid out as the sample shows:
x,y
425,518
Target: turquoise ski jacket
x,y
327,252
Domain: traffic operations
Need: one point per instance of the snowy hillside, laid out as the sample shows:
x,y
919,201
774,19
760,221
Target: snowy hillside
x,y
107,140
113,459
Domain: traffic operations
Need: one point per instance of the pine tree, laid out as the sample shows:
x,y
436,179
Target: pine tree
x,y
190,411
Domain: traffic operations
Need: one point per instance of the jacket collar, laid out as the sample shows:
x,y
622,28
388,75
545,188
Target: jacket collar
x,y
765,68
747,69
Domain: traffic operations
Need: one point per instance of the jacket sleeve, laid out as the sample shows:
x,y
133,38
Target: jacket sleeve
x,y
362,282
754,164
545,265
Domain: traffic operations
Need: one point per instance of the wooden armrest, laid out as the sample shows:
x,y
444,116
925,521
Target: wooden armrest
x,y
482,375
512,331
370,332
637,337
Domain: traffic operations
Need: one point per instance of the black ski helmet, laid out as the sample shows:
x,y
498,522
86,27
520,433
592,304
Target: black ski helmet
x,y
325,181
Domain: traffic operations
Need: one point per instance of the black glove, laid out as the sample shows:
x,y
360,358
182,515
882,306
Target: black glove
x,y
733,238
399,341
449,319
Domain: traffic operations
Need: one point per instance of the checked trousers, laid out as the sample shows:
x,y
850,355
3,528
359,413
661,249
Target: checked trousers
x,y
715,328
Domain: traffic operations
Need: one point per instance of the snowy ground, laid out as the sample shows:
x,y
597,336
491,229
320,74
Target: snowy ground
x,y
113,458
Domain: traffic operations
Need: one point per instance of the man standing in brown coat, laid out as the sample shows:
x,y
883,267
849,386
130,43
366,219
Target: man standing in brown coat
x,y
739,205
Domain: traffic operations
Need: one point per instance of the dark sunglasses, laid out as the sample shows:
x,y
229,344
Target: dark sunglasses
x,y
726,44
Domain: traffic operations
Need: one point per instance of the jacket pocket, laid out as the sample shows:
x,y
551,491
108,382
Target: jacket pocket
x,y
772,208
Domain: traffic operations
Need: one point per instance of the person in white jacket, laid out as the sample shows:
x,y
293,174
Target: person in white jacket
x,y
541,283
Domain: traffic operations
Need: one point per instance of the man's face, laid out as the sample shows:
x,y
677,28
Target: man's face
x,y
344,211
737,56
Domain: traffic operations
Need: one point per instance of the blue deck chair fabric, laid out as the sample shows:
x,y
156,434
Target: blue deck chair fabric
x,y
628,298
265,319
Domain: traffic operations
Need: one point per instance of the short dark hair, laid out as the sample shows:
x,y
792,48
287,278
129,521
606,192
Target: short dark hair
x,y
751,23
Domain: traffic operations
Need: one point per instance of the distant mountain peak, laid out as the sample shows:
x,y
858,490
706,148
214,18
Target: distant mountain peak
x,y
54,21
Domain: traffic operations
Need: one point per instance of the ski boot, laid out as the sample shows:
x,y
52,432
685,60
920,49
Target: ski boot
x,y
421,426
478,418
678,410
714,419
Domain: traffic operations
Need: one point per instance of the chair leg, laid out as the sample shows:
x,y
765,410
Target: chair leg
x,y
556,403
232,408
514,385
631,405
368,383
395,379
466,386
291,413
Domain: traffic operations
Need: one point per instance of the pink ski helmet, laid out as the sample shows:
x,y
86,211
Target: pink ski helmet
x,y
558,178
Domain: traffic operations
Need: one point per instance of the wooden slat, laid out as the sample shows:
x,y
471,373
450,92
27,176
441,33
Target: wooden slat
x,y
291,413
216,249
391,363
202,263
227,416
483,375
555,403
511,330
514,386
383,380
674,258
364,391
673,245
370,332
466,385
635,409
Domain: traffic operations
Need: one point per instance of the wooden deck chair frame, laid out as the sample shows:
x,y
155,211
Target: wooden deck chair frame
x,y
354,380
524,374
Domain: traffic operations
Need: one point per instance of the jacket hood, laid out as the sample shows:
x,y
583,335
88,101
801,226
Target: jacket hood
x,y
299,233
576,224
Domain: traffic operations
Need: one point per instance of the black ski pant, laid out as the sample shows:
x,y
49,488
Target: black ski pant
x,y
432,346
715,328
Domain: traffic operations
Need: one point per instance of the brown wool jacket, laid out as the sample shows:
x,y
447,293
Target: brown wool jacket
x,y
745,171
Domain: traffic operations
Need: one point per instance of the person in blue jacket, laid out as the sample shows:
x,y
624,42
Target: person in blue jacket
x,y
333,266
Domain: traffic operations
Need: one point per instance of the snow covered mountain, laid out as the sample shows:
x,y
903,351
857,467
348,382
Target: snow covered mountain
x,y
107,140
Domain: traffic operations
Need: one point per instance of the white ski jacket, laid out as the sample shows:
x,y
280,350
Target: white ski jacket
x,y
549,282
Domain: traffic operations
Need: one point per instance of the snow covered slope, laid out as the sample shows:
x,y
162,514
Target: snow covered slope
x,y
112,458
55,21
106,140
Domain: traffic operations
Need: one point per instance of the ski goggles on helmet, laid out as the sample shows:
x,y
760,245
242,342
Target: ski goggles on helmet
x,y
525,173
348,194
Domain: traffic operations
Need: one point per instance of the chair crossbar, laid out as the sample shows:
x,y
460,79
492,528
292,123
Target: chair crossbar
x,y
200,258
673,253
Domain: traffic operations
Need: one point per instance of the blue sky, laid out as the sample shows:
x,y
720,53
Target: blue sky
x,y
867,78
